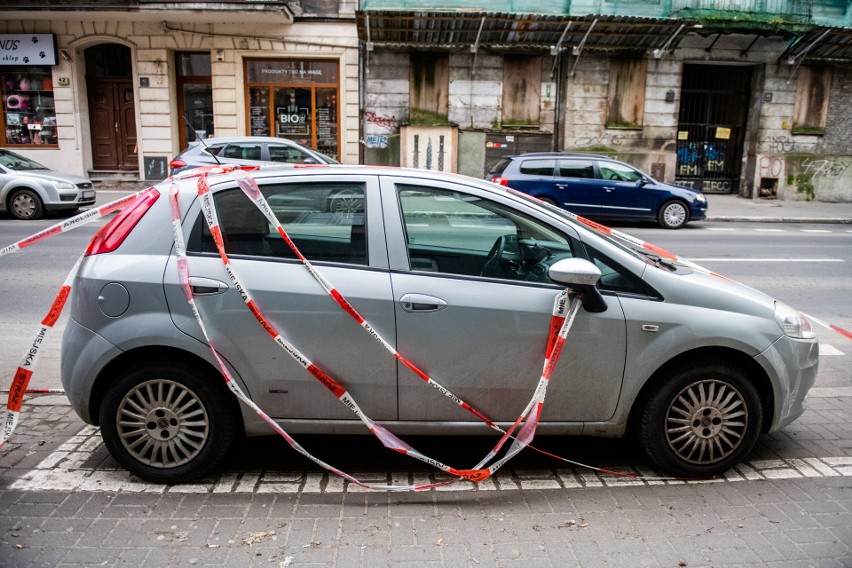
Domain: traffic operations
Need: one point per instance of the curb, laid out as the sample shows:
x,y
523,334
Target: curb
x,y
752,219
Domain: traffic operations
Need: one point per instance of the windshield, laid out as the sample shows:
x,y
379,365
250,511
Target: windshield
x,y
640,254
17,162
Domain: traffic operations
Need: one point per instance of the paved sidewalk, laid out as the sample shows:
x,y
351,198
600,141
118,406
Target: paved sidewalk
x,y
740,209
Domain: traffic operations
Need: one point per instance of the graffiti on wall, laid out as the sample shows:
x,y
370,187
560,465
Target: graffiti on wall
x,y
383,121
784,144
804,173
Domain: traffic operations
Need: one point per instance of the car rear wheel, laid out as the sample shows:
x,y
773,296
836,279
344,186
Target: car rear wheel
x,y
25,204
166,422
673,215
549,201
701,420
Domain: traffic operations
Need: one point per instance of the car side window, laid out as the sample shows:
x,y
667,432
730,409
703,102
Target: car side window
x,y
538,167
577,168
458,233
288,155
326,221
242,152
618,172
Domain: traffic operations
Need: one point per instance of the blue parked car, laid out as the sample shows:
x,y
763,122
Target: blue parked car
x,y
598,187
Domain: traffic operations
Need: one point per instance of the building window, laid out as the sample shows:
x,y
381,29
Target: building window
x,y
626,99
195,96
812,87
294,99
521,90
428,88
28,110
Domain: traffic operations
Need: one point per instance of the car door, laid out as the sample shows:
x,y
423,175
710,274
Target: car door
x,y
579,189
346,248
624,193
484,337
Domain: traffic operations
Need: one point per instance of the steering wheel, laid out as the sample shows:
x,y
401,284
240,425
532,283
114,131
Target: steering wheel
x,y
493,262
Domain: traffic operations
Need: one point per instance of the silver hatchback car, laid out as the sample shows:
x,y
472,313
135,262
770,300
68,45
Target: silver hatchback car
x,y
460,275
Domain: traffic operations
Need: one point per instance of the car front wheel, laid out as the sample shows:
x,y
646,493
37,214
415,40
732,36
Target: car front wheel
x,y
25,204
166,422
673,215
701,420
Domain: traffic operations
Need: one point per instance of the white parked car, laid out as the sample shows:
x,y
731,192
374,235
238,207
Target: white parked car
x,y
29,189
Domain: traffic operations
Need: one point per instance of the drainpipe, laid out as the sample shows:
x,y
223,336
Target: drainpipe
x,y
362,89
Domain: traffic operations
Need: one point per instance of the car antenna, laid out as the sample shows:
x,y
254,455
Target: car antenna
x,y
200,139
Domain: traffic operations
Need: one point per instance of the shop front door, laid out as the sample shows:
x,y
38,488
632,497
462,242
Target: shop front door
x,y
112,115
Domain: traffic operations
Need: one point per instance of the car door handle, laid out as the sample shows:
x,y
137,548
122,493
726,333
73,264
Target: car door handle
x,y
421,303
206,286
608,188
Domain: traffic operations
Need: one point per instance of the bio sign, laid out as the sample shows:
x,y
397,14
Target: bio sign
x,y
27,49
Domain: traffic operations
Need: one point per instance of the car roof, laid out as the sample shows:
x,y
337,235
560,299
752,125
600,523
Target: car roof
x,y
228,139
559,155
189,182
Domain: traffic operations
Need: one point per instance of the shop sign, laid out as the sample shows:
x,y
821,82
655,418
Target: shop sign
x,y
27,49
289,71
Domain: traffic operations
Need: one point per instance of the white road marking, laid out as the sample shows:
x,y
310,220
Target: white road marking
x,y
723,229
63,470
770,230
728,259
829,350
815,231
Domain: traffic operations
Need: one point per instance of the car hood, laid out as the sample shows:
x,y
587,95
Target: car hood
x,y
710,290
49,175
681,188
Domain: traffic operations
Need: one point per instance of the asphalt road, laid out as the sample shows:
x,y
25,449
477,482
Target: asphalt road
x,y
807,266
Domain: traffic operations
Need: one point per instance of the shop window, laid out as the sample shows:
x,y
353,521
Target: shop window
x,y
429,86
811,110
295,99
29,114
521,90
626,99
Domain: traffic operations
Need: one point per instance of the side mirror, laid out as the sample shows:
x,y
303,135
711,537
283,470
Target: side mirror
x,y
310,160
582,276
643,181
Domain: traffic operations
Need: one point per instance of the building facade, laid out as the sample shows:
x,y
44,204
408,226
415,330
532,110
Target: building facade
x,y
733,97
115,89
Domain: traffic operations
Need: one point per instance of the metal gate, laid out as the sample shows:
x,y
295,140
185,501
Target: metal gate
x,y
503,144
711,126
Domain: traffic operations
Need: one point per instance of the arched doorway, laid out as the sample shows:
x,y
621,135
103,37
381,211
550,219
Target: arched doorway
x,y
112,112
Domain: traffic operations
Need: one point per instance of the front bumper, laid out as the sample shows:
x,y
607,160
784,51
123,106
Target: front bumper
x,y
795,363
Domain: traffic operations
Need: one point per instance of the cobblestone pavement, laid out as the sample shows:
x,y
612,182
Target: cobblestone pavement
x,y
65,503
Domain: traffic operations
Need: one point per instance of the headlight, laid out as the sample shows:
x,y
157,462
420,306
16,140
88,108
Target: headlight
x,y
793,323
63,184
700,198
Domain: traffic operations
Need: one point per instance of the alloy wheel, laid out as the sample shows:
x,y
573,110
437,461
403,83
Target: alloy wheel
x,y
706,422
162,423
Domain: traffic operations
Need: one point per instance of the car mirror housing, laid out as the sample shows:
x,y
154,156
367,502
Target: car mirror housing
x,y
582,276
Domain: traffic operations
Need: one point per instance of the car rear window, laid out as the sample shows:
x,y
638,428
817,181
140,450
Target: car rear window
x,y
501,165
538,167
577,168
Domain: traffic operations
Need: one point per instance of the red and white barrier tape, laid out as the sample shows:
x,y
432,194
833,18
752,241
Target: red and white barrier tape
x,y
478,473
560,325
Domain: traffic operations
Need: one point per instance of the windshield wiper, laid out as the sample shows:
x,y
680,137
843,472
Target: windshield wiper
x,y
658,261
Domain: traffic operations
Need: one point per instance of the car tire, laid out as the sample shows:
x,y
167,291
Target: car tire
x,y
701,419
25,204
549,201
673,215
166,422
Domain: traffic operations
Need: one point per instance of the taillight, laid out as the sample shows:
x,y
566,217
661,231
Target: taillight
x,y
113,234
175,164
500,180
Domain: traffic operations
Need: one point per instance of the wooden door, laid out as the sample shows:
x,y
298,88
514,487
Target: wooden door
x,y
112,116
